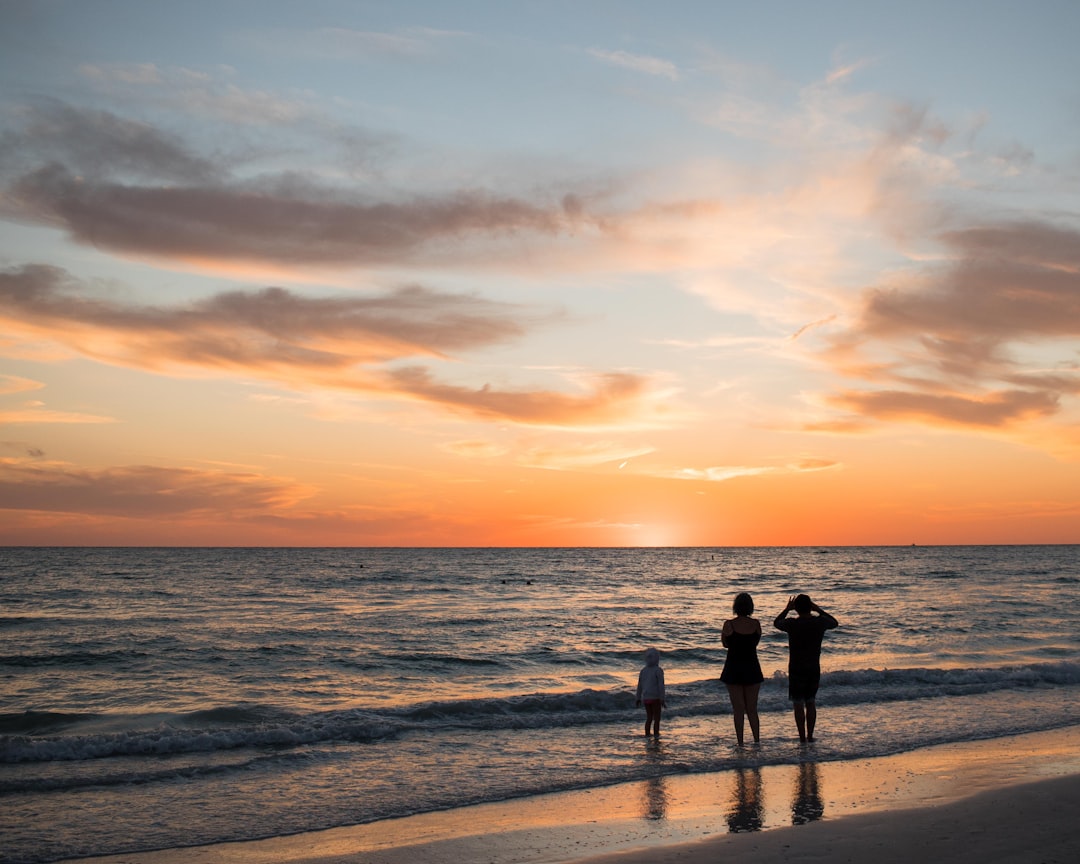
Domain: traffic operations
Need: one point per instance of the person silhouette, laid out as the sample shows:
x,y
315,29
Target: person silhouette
x,y
747,812
650,691
805,633
807,805
742,671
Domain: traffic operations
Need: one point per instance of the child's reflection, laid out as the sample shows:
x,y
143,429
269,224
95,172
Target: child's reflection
x,y
654,800
806,805
747,813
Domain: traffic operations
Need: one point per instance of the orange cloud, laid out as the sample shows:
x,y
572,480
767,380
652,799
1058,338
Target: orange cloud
x,y
328,342
611,397
580,456
721,473
240,329
140,492
17,384
474,449
37,414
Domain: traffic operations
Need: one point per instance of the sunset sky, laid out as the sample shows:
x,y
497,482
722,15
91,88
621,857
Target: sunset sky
x,y
539,273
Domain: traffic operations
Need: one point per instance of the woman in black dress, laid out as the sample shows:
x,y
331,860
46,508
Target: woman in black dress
x,y
742,671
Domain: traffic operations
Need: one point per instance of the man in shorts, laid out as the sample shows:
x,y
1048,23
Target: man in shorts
x,y
805,633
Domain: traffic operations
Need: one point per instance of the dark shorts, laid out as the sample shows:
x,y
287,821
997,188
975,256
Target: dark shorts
x,y
803,686
651,701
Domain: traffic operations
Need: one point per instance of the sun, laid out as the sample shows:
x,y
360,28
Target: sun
x,y
653,534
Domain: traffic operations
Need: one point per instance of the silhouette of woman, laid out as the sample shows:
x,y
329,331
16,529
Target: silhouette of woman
x,y
742,671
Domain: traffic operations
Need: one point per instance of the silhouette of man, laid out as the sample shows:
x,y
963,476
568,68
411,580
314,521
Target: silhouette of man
x,y
805,633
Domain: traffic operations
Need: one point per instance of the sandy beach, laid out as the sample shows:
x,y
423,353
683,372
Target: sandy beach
x,y
1006,799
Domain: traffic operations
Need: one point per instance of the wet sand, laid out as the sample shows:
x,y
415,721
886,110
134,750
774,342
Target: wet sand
x,y
1001,800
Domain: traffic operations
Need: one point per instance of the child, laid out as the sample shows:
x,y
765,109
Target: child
x,y
650,691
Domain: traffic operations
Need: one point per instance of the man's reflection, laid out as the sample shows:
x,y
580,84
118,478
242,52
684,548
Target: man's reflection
x,y
806,805
747,813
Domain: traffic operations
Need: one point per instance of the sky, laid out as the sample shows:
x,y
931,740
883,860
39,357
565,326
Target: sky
x,y
539,273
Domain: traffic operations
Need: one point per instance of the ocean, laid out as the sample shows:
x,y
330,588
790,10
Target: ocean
x,y
156,698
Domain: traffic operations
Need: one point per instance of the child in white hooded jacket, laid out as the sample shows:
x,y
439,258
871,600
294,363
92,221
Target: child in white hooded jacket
x,y
650,691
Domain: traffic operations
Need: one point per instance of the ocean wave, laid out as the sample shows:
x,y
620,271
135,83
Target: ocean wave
x,y
37,722
182,734
72,658
46,737
127,774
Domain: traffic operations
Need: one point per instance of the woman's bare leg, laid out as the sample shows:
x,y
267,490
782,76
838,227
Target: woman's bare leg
x,y
751,696
738,708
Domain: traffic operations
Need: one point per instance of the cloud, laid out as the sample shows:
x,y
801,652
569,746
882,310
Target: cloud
x,y
843,71
129,188
984,339
286,220
722,473
218,110
474,449
638,62
23,449
339,343
556,457
994,409
613,398
141,492
1004,282
99,143
38,414
201,95
273,326
580,456
16,384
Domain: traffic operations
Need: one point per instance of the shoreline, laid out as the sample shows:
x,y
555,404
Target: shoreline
x,y
924,799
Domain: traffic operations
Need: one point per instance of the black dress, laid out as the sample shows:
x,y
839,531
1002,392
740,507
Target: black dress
x,y
741,665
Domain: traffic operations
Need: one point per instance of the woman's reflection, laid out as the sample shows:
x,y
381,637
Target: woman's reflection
x,y
746,813
806,805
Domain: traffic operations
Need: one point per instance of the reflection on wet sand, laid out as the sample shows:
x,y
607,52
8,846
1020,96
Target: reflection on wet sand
x,y
742,793
654,801
807,804
747,812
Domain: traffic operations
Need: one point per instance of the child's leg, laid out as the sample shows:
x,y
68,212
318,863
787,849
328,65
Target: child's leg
x,y
656,708
652,720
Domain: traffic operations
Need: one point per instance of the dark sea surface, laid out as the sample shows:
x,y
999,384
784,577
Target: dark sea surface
x,y
154,698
